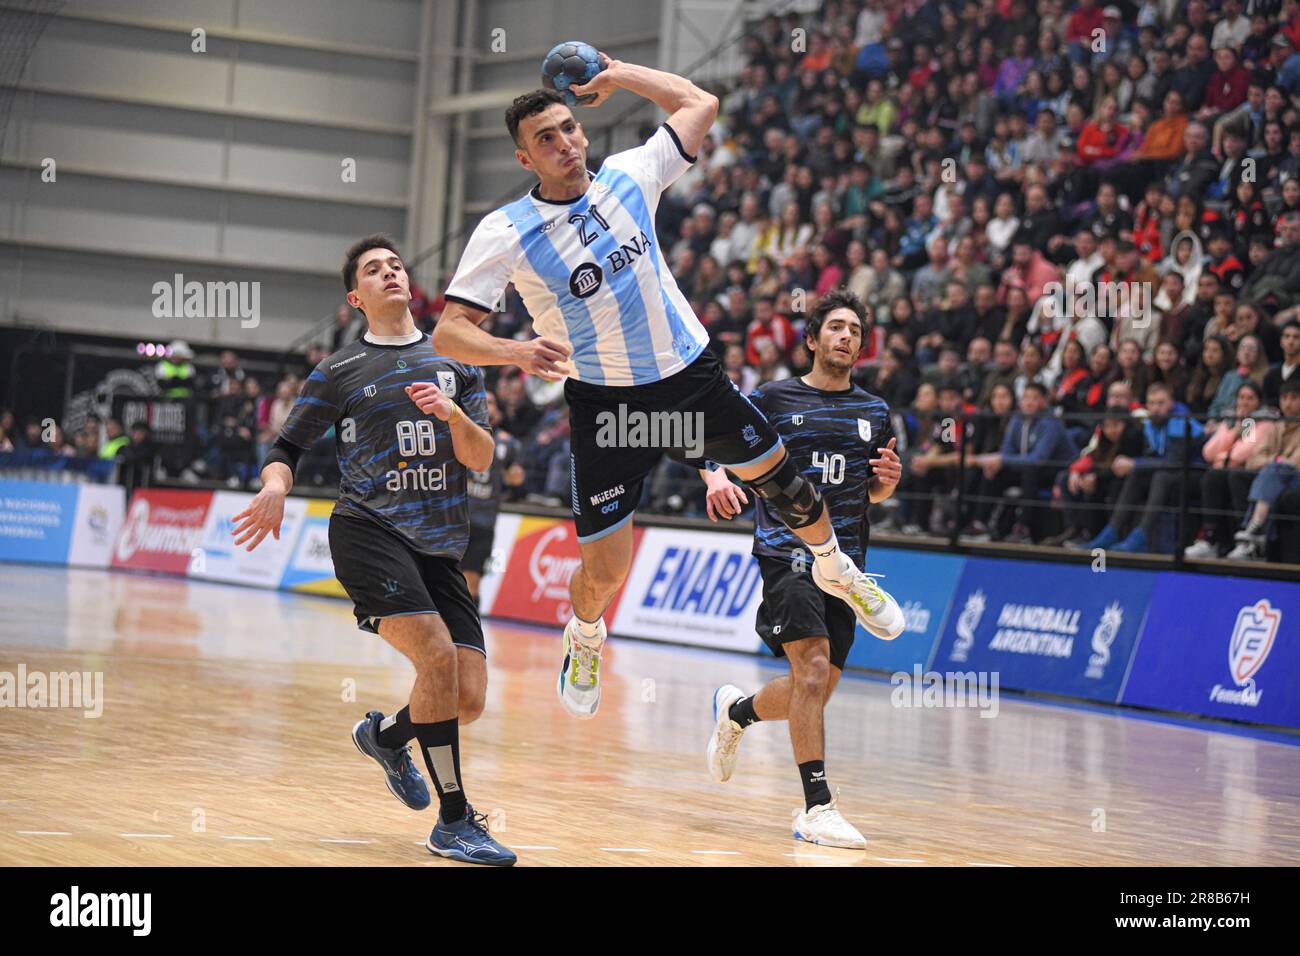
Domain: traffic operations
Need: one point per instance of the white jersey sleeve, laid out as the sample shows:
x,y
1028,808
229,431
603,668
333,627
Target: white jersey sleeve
x,y
487,265
656,163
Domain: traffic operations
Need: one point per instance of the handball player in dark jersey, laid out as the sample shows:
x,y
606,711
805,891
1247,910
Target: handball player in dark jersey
x,y
409,424
842,440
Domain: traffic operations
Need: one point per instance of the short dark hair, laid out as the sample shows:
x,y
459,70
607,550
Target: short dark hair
x,y
840,298
1038,387
529,104
1289,386
378,240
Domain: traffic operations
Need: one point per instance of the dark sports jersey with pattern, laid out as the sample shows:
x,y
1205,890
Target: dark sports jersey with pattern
x,y
485,487
831,437
397,463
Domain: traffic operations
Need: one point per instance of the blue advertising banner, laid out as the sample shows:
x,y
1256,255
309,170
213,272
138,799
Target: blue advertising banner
x,y
1060,629
36,521
1221,647
923,585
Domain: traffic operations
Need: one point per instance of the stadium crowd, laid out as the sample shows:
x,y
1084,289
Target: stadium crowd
x,y
1076,232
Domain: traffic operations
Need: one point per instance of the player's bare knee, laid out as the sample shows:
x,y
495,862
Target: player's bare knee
x,y
435,655
812,673
471,707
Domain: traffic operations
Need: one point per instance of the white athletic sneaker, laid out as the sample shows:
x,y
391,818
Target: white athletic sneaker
x,y
1200,549
726,733
1247,549
578,685
876,609
825,826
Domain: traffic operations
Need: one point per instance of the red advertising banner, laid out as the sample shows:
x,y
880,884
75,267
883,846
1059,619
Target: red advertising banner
x,y
162,530
535,586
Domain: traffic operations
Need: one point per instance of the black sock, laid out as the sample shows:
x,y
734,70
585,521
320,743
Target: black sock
x,y
815,789
742,712
440,743
396,730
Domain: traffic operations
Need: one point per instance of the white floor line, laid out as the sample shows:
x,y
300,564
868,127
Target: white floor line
x,y
146,836
250,839
43,833
716,852
969,863
623,849
328,840
897,859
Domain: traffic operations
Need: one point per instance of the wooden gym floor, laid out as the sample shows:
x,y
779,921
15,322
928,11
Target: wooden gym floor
x,y
224,739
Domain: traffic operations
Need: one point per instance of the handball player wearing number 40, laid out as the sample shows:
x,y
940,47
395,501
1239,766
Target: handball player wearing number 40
x,y
580,248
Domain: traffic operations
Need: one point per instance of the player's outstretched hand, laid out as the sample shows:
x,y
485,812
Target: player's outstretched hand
x,y
262,517
888,467
542,357
602,85
724,500
429,398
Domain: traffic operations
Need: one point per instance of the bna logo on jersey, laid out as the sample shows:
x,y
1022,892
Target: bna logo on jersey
x,y
864,429
447,382
585,280
1252,639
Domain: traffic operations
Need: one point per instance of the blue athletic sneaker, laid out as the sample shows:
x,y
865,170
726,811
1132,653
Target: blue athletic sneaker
x,y
1135,543
1108,538
468,840
399,771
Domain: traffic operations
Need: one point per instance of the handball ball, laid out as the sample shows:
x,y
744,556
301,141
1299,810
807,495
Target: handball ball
x,y
571,63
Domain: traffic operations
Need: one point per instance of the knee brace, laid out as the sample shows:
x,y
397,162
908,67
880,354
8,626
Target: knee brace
x,y
793,496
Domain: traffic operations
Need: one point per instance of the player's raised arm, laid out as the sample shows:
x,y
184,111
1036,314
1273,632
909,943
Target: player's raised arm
x,y
691,111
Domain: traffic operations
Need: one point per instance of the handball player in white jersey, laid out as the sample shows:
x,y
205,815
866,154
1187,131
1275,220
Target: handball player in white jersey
x,y
580,248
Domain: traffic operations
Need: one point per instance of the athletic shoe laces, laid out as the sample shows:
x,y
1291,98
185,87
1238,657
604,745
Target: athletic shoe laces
x,y
585,661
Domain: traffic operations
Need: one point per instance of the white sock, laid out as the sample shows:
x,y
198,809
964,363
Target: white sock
x,y
833,563
590,631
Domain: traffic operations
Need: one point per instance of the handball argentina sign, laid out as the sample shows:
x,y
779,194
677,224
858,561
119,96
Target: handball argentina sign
x,y
162,531
1053,628
1233,657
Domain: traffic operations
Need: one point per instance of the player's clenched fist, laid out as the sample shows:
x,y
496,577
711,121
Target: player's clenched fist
x,y
543,357
429,398
724,500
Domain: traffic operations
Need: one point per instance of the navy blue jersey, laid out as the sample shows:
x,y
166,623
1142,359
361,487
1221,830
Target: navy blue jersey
x,y
831,437
397,463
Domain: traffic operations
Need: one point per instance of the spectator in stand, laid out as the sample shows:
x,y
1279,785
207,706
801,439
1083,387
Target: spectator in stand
x,y
768,325
1152,481
986,436
1285,370
1277,458
1225,486
228,369
1215,363
1035,447
1087,490
933,468
1251,366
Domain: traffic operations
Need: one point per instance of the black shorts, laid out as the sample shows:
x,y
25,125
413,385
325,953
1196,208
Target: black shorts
x,y
384,577
794,608
606,477
478,548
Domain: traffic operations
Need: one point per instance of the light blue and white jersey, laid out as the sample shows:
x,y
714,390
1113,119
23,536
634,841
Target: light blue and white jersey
x,y
590,270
